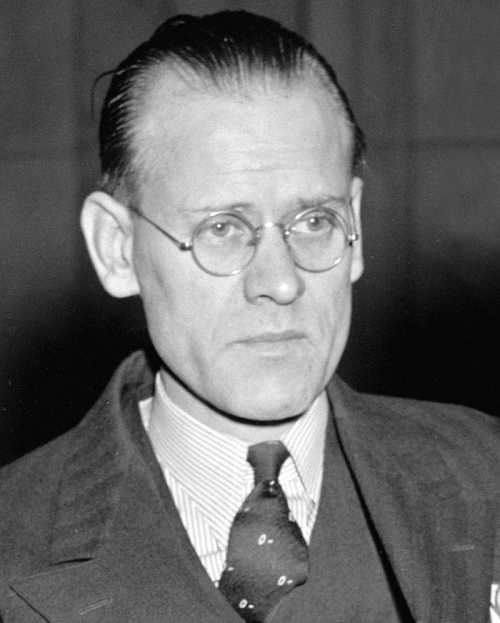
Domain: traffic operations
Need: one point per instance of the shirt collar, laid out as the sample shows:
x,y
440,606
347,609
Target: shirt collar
x,y
306,443
205,460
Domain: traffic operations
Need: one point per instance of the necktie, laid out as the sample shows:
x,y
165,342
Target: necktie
x,y
267,555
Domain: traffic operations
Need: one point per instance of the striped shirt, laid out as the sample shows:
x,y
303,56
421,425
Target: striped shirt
x,y
209,476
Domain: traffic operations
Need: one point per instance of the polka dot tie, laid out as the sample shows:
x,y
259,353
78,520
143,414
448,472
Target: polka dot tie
x,y
267,556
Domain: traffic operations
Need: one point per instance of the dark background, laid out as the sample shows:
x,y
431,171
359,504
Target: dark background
x,y
424,78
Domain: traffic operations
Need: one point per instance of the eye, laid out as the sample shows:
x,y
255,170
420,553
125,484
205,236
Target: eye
x,y
223,229
315,223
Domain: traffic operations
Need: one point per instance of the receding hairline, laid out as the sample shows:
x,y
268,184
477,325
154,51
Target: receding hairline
x,y
186,82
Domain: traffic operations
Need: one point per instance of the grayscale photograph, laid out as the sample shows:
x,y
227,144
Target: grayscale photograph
x,y
250,311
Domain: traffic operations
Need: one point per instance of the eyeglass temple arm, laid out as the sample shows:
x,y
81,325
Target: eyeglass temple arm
x,y
182,246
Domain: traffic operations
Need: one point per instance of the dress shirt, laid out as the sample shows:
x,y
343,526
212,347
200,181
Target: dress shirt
x,y
209,477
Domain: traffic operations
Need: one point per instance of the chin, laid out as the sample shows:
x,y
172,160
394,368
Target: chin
x,y
280,391
272,404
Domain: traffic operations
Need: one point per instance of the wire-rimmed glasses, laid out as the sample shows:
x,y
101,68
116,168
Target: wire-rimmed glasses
x,y
224,243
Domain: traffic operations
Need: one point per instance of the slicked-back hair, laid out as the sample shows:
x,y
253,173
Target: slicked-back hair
x,y
225,50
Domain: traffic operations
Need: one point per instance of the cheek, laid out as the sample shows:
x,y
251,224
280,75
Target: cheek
x,y
331,305
332,314
182,307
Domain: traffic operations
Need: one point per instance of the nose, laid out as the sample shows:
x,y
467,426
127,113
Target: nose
x,y
272,274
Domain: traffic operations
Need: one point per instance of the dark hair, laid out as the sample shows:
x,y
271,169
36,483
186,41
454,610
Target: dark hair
x,y
223,49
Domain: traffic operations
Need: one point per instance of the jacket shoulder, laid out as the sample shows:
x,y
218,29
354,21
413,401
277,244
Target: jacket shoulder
x,y
468,441
450,420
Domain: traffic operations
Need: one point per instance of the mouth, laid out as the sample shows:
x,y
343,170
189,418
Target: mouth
x,y
273,339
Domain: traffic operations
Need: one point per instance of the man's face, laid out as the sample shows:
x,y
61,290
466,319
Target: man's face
x,y
262,344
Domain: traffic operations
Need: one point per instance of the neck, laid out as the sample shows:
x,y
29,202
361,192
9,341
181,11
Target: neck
x,y
250,431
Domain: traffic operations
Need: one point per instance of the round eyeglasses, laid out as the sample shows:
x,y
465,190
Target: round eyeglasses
x,y
225,243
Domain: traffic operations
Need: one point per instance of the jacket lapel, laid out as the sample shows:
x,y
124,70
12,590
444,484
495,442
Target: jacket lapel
x,y
145,570
436,531
119,551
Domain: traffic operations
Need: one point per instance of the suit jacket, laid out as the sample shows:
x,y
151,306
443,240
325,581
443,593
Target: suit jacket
x,y
89,532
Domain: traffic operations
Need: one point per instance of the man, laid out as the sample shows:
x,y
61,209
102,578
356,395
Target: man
x,y
230,203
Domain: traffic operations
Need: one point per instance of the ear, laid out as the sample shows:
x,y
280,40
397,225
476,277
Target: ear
x,y
108,231
357,264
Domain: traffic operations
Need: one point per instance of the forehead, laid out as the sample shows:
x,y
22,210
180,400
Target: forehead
x,y
186,138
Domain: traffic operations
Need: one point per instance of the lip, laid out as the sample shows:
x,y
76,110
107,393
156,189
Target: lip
x,y
273,337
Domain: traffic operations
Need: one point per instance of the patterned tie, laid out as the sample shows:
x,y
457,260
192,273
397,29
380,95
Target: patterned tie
x,y
267,555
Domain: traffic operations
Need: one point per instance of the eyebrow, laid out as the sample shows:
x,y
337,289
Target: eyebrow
x,y
226,207
322,201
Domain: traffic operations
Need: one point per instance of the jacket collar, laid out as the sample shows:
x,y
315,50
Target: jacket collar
x,y
436,531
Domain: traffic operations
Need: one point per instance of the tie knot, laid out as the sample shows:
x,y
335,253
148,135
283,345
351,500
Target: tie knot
x,y
266,458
